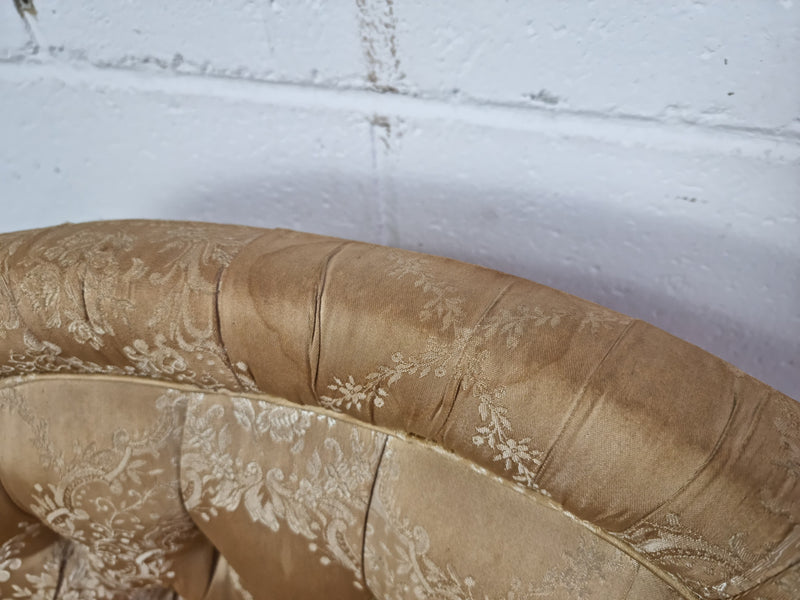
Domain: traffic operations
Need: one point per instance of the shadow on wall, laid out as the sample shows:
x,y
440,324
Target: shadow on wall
x,y
702,285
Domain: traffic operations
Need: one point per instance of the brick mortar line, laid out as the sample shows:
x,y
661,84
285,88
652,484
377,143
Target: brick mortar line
x,y
770,146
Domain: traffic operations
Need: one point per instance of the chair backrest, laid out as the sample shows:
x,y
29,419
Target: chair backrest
x,y
218,411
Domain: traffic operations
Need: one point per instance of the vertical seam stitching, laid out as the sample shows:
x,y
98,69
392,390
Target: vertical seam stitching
x,y
66,552
217,314
633,580
767,580
315,346
578,397
714,451
459,361
367,511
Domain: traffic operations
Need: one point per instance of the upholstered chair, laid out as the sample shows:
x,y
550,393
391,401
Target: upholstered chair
x,y
209,411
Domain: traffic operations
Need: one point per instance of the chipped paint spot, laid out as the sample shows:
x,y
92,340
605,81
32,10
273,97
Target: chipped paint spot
x,y
691,199
383,126
545,97
25,7
386,129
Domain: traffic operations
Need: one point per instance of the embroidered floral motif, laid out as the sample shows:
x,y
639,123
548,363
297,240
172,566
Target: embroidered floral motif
x,y
463,354
56,291
516,455
582,572
594,320
12,548
512,323
43,585
159,362
374,390
789,583
8,563
188,265
81,580
9,316
734,568
236,582
692,556
788,425
783,502
191,250
323,499
403,564
57,276
101,495
46,357
445,303
284,424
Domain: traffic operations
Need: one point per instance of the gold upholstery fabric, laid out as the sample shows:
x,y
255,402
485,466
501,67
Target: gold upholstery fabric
x,y
221,412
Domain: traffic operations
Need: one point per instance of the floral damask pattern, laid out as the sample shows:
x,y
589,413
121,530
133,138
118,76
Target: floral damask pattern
x,y
721,571
465,354
45,357
83,286
322,498
103,498
55,278
441,302
160,361
44,584
671,543
185,269
402,560
787,424
516,454
786,585
12,549
9,316
733,568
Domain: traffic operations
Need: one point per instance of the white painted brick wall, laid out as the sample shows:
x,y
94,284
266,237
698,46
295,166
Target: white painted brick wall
x,y
644,155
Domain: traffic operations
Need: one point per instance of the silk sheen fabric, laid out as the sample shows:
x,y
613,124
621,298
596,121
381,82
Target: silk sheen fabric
x,y
207,411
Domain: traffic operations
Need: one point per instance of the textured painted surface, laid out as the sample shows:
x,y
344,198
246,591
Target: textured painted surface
x,y
644,156
699,61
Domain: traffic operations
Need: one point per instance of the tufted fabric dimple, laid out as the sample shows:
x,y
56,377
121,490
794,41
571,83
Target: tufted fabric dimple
x,y
221,412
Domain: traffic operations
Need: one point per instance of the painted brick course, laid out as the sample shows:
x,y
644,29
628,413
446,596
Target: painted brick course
x,y
642,155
